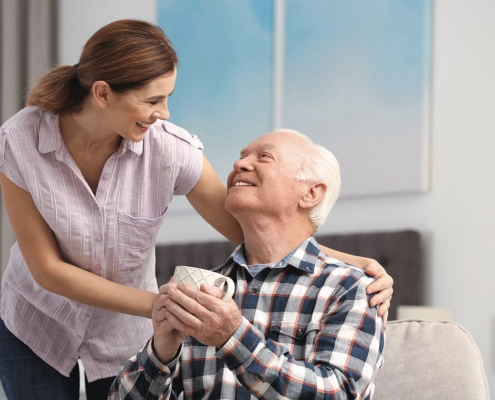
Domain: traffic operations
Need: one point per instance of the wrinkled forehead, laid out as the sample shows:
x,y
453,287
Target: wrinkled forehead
x,y
279,143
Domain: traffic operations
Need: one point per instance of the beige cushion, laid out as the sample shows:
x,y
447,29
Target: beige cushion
x,y
430,360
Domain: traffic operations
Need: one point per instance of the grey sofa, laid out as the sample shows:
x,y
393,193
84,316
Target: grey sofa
x,y
430,360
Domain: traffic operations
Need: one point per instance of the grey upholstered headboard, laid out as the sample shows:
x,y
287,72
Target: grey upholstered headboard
x,y
398,252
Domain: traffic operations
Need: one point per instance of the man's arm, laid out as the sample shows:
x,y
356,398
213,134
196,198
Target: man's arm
x,y
144,375
156,365
342,365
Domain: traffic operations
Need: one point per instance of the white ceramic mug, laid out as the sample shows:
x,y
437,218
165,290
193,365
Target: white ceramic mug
x,y
197,276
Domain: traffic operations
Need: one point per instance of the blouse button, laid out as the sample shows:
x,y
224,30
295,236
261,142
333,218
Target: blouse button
x,y
98,266
105,177
98,238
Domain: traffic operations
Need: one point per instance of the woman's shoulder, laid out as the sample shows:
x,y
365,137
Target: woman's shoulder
x,y
29,116
165,131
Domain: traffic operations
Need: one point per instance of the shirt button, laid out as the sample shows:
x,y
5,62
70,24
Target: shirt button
x,y
105,177
254,290
299,333
98,238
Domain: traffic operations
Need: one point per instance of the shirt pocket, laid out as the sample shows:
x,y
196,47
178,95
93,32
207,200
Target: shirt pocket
x,y
137,239
298,339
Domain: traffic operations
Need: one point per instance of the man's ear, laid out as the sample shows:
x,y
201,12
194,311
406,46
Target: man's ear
x,y
313,196
101,93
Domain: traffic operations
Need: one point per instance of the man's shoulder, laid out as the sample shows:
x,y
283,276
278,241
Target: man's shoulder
x,y
337,269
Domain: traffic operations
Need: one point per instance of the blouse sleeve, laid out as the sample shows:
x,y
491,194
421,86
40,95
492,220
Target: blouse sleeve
x,y
8,164
188,153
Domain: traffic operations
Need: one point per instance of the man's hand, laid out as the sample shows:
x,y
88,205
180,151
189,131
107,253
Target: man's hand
x,y
202,314
166,339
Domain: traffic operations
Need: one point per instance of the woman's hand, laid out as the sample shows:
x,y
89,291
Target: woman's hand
x,y
166,339
382,287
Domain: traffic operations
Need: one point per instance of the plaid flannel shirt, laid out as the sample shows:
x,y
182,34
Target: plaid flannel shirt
x,y
307,333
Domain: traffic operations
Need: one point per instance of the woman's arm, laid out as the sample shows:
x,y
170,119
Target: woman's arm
x,y
382,287
208,198
40,251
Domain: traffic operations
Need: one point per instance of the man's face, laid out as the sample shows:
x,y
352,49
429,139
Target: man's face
x,y
263,178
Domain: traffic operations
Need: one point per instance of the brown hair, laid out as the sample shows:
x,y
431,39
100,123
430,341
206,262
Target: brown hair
x,y
127,54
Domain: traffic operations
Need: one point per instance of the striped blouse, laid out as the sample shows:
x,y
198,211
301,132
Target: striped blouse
x,y
111,233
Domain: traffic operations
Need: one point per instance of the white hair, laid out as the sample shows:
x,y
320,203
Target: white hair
x,y
319,165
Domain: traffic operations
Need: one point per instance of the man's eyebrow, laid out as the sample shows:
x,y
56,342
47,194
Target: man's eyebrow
x,y
268,146
262,147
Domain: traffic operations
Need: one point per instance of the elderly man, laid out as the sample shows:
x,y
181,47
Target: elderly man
x,y
299,325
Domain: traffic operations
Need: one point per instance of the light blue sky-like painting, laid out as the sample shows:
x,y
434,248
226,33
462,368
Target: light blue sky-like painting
x,y
357,77
223,89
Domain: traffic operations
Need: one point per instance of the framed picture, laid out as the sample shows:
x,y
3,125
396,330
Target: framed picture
x,y
357,81
353,75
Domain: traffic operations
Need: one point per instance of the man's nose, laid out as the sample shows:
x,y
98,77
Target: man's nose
x,y
243,164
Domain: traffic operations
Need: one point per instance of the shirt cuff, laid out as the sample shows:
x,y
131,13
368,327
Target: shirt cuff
x,y
153,366
242,346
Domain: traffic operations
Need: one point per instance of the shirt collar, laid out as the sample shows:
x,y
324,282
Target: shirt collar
x,y
135,147
303,257
50,138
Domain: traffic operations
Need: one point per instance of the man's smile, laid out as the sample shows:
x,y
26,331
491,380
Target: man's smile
x,y
241,183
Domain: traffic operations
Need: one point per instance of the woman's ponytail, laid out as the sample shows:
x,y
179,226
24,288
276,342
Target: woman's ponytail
x,y
58,91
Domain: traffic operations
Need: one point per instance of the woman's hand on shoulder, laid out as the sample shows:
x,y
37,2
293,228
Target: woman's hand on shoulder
x,y
382,288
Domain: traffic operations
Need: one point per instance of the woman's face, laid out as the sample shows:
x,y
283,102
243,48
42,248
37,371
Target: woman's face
x,y
131,114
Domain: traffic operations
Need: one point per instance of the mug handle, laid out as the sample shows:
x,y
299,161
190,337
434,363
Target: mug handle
x,y
230,286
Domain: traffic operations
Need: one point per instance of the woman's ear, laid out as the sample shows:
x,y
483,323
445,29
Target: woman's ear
x,y
101,93
313,196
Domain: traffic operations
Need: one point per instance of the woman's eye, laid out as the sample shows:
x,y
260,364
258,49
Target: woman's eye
x,y
154,103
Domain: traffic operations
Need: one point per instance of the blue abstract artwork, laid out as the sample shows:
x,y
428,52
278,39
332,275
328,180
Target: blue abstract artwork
x,y
357,81
223,88
355,78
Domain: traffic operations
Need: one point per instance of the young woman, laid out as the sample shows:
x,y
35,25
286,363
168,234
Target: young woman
x,y
87,172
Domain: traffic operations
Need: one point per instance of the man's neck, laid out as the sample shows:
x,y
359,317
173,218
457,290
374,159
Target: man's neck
x,y
266,241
